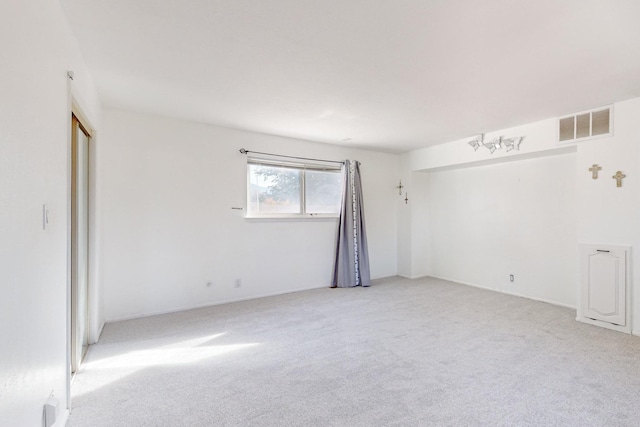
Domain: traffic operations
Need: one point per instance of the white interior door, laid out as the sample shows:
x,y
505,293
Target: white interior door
x,y
79,243
604,295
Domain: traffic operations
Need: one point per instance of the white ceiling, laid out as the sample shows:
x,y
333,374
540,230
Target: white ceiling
x,y
392,75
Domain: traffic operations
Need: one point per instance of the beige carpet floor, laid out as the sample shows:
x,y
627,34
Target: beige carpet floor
x,y
400,353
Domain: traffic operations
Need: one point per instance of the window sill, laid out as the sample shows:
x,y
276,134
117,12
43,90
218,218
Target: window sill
x,y
267,218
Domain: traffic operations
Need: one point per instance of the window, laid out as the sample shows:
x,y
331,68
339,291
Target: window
x,y
585,125
292,190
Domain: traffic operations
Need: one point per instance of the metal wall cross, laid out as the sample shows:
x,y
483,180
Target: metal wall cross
x,y
618,177
594,171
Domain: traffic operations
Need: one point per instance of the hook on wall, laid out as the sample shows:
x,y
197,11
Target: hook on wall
x,y
400,187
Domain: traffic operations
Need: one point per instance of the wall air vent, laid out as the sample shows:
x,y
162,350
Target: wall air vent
x,y
587,124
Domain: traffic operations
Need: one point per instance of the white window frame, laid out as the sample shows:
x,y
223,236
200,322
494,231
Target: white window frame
x,y
303,167
575,128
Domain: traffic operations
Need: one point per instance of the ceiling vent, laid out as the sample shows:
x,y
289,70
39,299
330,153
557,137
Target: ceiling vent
x,y
587,124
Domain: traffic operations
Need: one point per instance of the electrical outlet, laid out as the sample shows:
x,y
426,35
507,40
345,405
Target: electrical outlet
x,y
237,283
511,278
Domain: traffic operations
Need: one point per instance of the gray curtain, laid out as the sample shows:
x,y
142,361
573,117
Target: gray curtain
x,y
352,256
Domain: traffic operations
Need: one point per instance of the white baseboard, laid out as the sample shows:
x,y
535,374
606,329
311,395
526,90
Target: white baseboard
x,y
100,329
515,294
210,304
62,419
618,328
415,277
378,279
224,301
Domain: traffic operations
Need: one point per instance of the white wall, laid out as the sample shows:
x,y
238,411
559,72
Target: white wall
x,y
539,140
167,188
514,218
404,224
517,205
404,219
607,214
38,50
414,224
421,232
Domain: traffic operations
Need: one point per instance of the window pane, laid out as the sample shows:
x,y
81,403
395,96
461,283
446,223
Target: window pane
x,y
566,129
600,120
274,189
323,191
582,125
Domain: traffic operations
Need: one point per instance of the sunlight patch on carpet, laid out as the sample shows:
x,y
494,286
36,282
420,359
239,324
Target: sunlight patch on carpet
x,y
191,351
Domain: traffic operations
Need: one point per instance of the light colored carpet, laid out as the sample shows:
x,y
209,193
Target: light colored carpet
x,y
402,352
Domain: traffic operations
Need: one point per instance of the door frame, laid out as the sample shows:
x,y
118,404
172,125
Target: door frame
x,y
74,109
76,127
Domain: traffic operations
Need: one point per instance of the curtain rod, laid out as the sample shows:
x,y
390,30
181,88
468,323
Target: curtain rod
x,y
243,151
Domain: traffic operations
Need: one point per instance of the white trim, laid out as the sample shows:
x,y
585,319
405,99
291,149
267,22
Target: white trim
x,y
515,294
69,124
62,419
300,217
377,279
100,330
292,216
229,300
293,165
74,108
213,304
512,156
416,277
606,325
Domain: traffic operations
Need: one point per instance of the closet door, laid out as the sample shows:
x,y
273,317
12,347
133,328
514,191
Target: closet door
x,y
79,242
603,287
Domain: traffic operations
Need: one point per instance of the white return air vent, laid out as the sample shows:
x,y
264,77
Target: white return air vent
x,y
587,124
